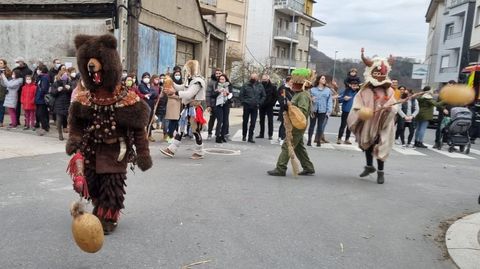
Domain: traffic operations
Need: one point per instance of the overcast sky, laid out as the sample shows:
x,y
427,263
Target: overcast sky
x,y
395,27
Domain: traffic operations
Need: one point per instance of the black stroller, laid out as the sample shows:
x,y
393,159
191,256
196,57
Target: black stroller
x,y
456,129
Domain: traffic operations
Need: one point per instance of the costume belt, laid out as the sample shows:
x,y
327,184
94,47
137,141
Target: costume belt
x,y
123,146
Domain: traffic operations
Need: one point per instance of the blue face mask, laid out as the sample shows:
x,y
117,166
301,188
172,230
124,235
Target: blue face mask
x,y
177,77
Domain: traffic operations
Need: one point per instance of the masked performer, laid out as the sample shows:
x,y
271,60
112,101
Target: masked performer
x,y
372,116
294,146
107,129
192,93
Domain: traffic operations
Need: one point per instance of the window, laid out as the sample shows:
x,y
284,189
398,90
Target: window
x,y
477,19
306,55
307,30
445,61
287,25
299,55
185,52
277,51
234,32
283,53
449,28
279,23
214,59
301,29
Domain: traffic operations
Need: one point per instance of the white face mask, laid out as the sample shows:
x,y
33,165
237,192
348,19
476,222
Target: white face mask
x,y
178,77
39,72
57,66
133,80
17,64
13,76
73,74
161,80
146,80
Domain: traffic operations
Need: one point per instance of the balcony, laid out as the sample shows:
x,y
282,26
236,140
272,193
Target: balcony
x,y
285,63
208,7
449,70
454,36
286,36
289,6
209,2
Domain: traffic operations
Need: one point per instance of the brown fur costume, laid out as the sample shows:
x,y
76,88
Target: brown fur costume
x,y
107,125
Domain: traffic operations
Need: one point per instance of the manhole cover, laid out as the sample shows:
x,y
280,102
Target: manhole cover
x,y
219,151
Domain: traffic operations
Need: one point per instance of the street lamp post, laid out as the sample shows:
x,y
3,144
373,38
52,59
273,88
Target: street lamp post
x,y
334,64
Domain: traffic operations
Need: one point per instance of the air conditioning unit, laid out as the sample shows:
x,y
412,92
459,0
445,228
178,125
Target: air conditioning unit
x,y
109,24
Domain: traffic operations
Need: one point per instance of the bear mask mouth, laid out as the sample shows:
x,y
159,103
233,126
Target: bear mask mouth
x,y
96,77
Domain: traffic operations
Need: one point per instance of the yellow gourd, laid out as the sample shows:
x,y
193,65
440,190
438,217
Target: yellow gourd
x,y
365,113
86,229
457,94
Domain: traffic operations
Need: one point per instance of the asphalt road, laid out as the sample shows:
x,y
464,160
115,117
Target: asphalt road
x,y
227,212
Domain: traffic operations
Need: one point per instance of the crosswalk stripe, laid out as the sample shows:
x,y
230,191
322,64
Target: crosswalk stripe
x,y
407,151
450,154
474,151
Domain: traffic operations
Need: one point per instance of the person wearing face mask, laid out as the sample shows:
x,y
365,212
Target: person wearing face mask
x,y
252,95
24,70
28,102
266,109
41,109
54,70
174,106
73,77
222,95
157,82
210,100
62,91
11,98
150,96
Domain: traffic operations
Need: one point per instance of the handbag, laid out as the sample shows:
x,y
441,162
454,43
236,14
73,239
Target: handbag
x,y
298,119
49,100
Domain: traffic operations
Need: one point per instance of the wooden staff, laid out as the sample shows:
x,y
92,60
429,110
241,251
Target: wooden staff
x,y
401,101
153,114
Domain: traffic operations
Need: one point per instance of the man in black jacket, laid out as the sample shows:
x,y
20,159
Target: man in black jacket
x,y
266,109
211,101
252,95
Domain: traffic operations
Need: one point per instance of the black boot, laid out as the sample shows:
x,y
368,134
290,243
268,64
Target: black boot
x,y
309,141
218,139
277,173
380,177
367,171
224,140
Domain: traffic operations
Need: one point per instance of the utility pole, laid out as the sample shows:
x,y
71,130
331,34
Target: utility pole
x,y
334,64
132,60
291,45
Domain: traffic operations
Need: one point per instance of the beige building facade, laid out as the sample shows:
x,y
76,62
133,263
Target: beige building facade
x,y
230,16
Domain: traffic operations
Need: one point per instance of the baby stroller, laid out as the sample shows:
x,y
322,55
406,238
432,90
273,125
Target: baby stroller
x,y
456,129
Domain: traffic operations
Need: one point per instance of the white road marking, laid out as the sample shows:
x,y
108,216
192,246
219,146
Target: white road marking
x,y
454,155
407,151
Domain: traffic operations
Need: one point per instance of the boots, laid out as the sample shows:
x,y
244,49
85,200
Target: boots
x,y
108,226
276,173
323,140
218,139
367,171
380,177
60,130
309,141
317,139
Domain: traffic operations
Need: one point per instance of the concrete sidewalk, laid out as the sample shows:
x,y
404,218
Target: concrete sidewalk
x,y
463,242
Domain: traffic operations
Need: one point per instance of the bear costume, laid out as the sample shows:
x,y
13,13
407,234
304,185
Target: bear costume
x,y
107,129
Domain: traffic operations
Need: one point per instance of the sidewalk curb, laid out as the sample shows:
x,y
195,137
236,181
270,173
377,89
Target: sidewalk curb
x,y
462,239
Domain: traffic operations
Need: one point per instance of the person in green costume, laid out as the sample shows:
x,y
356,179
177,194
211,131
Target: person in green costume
x,y
301,79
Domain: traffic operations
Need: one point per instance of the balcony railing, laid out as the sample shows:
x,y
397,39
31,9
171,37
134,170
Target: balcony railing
x,y
274,61
209,2
297,5
449,70
454,35
286,33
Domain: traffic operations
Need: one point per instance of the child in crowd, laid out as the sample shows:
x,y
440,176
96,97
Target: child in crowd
x,y
28,102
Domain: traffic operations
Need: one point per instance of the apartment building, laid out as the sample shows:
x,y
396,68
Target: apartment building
x,y
475,39
229,16
448,49
279,33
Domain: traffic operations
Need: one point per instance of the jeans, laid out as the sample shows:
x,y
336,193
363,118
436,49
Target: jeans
x,y
211,121
172,127
268,112
422,127
319,121
2,112
411,130
343,125
222,114
249,112
42,117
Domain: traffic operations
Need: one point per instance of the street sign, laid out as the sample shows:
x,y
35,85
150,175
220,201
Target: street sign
x,y
419,71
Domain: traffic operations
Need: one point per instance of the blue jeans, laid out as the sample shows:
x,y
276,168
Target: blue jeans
x,y
2,111
421,128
